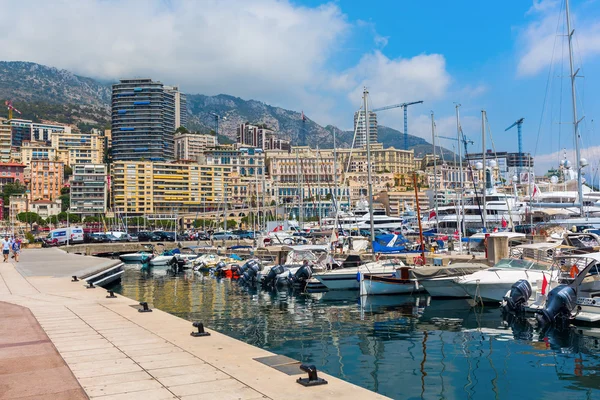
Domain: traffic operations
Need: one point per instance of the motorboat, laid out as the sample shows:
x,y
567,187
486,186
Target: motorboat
x,y
390,244
399,282
492,284
440,281
349,278
138,257
188,254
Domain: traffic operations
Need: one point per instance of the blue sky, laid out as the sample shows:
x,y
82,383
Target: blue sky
x,y
316,56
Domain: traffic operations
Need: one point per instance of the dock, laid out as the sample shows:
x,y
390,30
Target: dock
x,y
66,341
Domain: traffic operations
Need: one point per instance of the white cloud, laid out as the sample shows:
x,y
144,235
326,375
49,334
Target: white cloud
x,y
541,42
544,162
266,49
390,81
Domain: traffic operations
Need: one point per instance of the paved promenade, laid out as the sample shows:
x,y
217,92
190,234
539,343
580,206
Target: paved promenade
x,y
115,352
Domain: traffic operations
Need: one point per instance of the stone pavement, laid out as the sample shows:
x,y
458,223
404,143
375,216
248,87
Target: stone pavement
x,y
116,352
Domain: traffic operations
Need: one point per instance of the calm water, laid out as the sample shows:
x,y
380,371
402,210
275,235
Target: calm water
x,y
400,346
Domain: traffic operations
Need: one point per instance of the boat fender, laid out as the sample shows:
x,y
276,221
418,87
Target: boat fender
x,y
358,276
574,271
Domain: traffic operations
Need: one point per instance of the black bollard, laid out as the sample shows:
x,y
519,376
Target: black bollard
x,y
111,295
90,285
74,278
201,331
313,379
144,307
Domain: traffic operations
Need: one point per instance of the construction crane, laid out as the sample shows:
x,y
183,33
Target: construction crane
x,y
404,106
519,124
11,108
465,141
217,118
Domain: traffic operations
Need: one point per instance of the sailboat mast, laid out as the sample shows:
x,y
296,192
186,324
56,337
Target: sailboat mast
x,y
484,191
459,225
435,183
369,178
574,101
299,191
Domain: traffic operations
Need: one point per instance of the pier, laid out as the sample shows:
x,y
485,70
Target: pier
x,y
67,341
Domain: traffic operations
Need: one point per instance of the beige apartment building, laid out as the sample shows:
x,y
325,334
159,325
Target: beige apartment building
x,y
190,146
46,179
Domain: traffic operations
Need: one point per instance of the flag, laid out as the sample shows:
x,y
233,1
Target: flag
x,y
504,223
544,285
456,235
535,191
432,215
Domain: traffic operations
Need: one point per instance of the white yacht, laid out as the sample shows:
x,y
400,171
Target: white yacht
x,y
360,219
499,207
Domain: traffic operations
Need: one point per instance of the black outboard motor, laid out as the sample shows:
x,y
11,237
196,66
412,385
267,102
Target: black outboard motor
x,y
562,300
270,278
520,292
301,277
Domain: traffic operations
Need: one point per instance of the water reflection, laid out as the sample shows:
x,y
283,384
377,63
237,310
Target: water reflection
x,y
400,346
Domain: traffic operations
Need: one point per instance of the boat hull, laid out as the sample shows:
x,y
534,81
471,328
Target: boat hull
x,y
161,260
443,287
386,285
136,257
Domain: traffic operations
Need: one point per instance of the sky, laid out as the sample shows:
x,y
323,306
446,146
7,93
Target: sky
x,y
509,58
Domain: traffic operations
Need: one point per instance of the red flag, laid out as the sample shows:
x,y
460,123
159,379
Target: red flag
x,y
544,285
504,223
432,215
535,190
456,236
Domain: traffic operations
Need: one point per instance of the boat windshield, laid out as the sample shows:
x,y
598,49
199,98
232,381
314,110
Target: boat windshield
x,y
520,264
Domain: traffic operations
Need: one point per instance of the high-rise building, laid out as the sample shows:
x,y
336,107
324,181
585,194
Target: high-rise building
x,y
46,179
361,129
189,146
145,115
89,189
5,142
262,138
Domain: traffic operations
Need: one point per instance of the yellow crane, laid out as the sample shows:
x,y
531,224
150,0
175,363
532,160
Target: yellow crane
x,y
11,108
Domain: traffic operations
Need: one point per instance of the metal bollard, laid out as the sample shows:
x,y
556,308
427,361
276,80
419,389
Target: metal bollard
x,y
201,331
111,295
90,285
144,307
74,278
313,379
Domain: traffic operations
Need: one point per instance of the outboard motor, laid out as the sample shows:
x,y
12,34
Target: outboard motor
x,y
520,292
562,300
301,277
284,279
272,275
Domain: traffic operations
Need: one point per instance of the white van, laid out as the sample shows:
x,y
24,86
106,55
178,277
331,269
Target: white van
x,y
74,234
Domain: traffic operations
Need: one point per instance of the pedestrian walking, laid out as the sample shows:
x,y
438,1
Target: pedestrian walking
x,y
16,248
5,243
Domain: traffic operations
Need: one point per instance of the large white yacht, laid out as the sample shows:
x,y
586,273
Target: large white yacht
x,y
499,207
360,218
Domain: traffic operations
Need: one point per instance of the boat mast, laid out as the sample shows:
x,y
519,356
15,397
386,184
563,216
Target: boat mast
x,y
421,241
369,178
460,177
574,101
435,184
299,191
225,207
484,191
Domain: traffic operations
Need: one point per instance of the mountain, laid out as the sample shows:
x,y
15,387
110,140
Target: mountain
x,y
47,93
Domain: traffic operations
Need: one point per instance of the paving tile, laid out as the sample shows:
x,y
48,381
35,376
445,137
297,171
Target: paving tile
x,y
96,344
107,355
145,346
109,364
72,354
156,350
238,394
88,373
174,371
154,394
115,379
150,365
124,387
161,357
187,379
207,387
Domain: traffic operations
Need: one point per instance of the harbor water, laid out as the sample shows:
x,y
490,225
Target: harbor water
x,y
404,347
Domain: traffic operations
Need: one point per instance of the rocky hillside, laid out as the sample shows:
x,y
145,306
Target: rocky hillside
x,y
42,92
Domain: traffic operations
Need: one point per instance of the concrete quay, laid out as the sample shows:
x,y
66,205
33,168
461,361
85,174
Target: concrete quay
x,y
112,351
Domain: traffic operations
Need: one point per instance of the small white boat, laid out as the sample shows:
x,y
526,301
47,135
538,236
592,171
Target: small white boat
x,y
139,257
164,259
397,283
440,281
349,278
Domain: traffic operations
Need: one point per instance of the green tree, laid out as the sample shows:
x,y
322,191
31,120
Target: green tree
x,y
12,189
273,203
65,200
91,219
53,219
29,218
182,129
199,223
73,218
67,171
231,223
65,190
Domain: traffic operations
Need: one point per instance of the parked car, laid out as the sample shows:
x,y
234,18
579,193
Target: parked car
x,y
201,236
244,234
144,236
165,236
224,236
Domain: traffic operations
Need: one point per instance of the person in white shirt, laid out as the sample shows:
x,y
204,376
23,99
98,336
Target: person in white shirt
x,y
5,243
